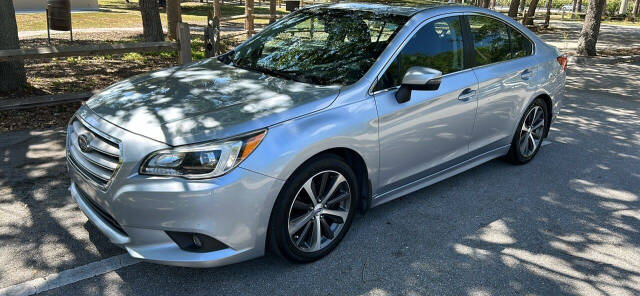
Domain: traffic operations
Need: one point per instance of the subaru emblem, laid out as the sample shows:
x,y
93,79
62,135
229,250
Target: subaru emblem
x,y
84,143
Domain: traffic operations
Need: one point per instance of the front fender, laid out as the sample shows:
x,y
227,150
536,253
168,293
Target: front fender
x,y
289,144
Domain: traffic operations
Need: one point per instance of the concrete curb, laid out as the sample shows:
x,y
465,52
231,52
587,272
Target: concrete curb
x,y
583,60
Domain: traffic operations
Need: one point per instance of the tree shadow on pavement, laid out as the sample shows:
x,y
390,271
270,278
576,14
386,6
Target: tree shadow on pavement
x,y
41,229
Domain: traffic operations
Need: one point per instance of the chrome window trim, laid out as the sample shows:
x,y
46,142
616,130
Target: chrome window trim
x,y
423,23
72,161
533,44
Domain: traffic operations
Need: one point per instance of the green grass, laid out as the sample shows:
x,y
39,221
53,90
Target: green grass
x,y
119,14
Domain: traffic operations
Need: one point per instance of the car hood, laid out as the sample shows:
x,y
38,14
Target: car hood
x,y
206,100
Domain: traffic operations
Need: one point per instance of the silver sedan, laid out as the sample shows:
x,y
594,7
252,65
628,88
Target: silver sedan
x,y
332,110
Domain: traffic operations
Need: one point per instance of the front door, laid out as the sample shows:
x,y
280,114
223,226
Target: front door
x,y
433,129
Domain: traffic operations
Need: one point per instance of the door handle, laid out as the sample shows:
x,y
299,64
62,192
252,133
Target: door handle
x,y
466,95
526,74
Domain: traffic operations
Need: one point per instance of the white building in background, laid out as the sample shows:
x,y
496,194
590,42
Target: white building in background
x,y
41,5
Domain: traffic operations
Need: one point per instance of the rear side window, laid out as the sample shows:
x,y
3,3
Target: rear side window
x,y
490,39
520,45
437,45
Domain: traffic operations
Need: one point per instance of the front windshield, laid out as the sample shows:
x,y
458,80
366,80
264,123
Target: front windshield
x,y
319,45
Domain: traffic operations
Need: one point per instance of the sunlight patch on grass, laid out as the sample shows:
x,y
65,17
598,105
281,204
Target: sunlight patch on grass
x,y
118,14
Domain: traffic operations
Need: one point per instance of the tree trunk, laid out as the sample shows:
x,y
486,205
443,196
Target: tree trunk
x,y
547,16
486,3
174,16
523,3
591,28
217,11
579,6
513,8
272,11
636,8
248,22
151,24
531,12
12,75
623,6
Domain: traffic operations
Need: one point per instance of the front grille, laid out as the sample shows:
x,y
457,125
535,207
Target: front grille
x,y
99,156
102,213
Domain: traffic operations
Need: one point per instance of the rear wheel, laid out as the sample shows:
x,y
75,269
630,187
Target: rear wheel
x,y
314,210
530,133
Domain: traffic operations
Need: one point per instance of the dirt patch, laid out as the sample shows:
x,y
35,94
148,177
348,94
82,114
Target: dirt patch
x,y
82,74
620,52
79,74
37,118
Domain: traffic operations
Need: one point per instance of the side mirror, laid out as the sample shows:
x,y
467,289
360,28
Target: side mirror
x,y
418,78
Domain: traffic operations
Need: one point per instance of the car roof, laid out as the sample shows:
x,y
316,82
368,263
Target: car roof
x,y
400,9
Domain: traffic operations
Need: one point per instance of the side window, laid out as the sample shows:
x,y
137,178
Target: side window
x,y
490,40
437,45
520,45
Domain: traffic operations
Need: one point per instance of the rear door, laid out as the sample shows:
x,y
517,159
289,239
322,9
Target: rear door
x,y
505,68
433,129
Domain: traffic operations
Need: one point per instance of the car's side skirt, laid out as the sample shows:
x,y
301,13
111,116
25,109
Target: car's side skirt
x,y
439,176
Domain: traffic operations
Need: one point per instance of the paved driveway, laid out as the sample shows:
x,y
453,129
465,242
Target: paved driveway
x,y
566,223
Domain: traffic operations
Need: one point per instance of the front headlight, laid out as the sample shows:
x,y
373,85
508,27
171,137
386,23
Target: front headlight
x,y
201,160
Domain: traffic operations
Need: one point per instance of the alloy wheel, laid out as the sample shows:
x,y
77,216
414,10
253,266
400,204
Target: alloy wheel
x,y
531,132
319,211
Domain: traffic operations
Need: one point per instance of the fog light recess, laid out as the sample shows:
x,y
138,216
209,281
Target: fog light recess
x,y
196,242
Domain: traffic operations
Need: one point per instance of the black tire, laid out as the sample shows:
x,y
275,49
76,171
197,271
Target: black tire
x,y
279,239
515,155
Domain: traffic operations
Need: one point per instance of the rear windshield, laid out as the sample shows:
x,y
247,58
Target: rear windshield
x,y
319,45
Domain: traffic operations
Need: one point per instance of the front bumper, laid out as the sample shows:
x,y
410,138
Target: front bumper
x,y
136,211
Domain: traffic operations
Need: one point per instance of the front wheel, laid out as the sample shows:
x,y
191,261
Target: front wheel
x,y
314,210
528,137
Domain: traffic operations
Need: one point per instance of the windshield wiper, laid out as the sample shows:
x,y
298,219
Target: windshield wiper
x,y
271,72
227,58
277,73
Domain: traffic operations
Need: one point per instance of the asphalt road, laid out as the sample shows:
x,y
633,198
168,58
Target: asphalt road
x,y
566,223
565,36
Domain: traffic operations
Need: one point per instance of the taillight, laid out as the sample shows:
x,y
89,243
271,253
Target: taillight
x,y
563,60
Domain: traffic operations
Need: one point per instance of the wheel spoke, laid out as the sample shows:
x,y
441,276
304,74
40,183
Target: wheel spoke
x,y
326,229
336,213
323,184
304,232
538,125
337,199
339,180
298,223
298,205
524,144
317,236
308,187
534,145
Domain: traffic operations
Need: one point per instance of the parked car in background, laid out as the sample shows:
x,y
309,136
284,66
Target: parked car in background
x,y
569,8
333,109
